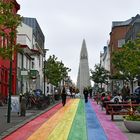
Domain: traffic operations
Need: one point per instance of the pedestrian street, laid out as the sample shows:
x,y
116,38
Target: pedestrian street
x,y
76,120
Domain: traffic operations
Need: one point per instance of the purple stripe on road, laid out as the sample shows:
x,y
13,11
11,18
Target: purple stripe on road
x,y
111,130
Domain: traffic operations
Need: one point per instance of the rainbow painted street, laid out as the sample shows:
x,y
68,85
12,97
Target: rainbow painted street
x,y
75,121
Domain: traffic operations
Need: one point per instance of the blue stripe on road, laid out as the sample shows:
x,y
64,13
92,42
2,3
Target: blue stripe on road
x,y
94,129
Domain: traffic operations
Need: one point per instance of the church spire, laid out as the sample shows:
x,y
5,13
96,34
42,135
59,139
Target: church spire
x,y
83,79
84,54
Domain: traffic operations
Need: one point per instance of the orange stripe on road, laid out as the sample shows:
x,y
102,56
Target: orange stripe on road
x,y
63,127
44,131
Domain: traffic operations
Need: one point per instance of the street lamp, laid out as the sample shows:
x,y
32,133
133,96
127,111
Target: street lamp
x,y
44,51
10,92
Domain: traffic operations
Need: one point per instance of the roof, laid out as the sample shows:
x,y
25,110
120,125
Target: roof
x,y
121,23
130,21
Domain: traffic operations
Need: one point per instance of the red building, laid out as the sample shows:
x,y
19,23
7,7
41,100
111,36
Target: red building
x,y
5,64
117,39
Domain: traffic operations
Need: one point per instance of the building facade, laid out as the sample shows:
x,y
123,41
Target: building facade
x,y
38,41
132,34
32,39
105,63
117,38
5,63
122,32
24,61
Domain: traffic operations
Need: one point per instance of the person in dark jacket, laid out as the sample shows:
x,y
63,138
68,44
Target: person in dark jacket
x,y
90,91
125,92
23,106
85,92
63,96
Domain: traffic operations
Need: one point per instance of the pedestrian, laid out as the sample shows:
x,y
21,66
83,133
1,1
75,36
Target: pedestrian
x,y
85,92
73,92
63,96
71,89
97,97
90,91
125,92
103,98
23,106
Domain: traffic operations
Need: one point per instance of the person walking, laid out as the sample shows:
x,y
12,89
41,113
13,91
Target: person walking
x,y
90,92
63,96
85,92
22,105
70,88
125,92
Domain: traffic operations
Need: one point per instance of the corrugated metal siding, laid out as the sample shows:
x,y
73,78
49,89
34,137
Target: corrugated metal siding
x,y
39,36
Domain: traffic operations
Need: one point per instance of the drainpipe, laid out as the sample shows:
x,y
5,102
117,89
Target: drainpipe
x,y
22,75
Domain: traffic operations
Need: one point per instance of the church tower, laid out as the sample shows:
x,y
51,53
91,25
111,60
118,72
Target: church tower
x,y
83,79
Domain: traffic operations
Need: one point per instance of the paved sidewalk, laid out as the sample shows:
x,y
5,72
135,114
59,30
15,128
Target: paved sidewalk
x,y
120,124
118,121
16,120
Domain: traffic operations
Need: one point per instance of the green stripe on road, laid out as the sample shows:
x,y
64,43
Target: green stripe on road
x,y
78,129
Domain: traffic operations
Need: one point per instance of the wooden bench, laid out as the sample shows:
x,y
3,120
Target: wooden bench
x,y
120,109
108,108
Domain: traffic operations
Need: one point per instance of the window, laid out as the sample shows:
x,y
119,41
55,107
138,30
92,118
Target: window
x,y
1,41
39,60
33,65
6,42
121,42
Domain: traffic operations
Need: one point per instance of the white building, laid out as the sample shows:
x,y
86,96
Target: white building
x,y
105,62
105,58
24,59
31,57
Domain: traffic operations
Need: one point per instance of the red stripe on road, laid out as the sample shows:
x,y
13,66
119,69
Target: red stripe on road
x,y
27,129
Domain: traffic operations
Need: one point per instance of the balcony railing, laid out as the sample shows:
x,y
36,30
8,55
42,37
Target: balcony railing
x,y
24,40
33,74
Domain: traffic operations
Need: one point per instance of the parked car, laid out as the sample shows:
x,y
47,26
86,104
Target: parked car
x,y
137,90
136,94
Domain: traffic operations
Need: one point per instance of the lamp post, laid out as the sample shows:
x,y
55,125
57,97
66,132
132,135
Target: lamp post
x,y
44,51
10,78
10,92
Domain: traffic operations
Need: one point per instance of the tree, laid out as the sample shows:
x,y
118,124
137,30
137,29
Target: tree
x,y
127,60
100,75
55,70
9,21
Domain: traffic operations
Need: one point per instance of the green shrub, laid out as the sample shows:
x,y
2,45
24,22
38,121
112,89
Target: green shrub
x,y
132,117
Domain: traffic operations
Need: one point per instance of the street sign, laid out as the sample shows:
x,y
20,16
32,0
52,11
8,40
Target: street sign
x,y
24,72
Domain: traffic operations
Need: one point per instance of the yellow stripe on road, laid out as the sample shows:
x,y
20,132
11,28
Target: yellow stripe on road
x,y
62,129
43,132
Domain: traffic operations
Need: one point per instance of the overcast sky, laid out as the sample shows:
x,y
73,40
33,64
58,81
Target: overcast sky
x,y
66,22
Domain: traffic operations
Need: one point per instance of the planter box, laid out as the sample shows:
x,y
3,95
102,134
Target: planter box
x,y
132,126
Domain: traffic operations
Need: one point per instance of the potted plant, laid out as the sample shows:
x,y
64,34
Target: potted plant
x,y
138,109
132,121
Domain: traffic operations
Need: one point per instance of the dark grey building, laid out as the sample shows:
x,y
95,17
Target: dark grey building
x,y
37,32
134,29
